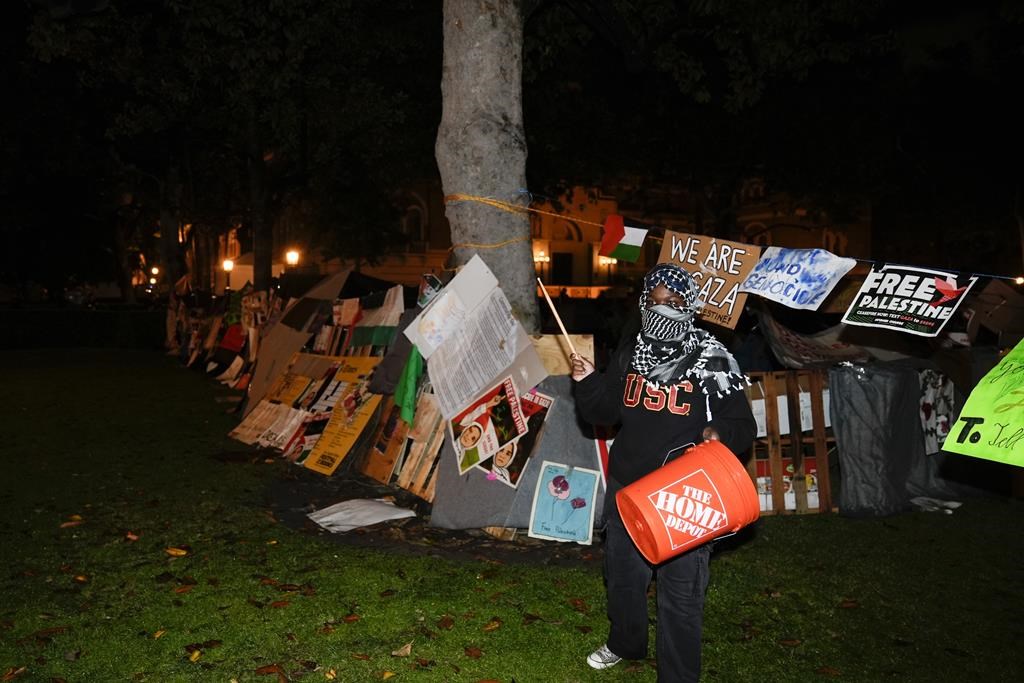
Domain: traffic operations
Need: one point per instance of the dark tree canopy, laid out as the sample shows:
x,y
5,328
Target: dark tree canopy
x,y
309,115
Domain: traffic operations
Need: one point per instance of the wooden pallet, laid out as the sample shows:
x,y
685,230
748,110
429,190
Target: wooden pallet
x,y
417,471
775,452
388,444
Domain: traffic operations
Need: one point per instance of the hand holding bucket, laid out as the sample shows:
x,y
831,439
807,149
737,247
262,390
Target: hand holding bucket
x,y
701,495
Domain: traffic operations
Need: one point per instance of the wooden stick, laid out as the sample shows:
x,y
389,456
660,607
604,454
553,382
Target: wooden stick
x,y
557,319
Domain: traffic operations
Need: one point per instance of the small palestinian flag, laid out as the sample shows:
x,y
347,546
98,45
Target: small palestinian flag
x,y
621,241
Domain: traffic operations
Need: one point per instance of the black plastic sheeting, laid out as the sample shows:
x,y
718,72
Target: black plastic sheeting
x,y
877,425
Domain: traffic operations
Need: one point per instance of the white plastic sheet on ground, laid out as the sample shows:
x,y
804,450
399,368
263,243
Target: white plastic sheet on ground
x,y
352,514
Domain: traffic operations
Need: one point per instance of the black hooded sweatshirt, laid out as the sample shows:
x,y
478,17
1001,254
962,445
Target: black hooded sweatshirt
x,y
657,423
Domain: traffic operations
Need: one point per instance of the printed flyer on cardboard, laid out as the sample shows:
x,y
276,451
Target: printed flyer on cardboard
x,y
510,461
914,300
492,420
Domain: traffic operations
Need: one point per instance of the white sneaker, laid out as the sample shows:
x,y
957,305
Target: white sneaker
x,y
602,658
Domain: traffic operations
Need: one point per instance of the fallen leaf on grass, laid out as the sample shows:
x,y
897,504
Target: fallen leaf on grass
x,y
445,622
579,605
385,675
493,625
790,642
280,603
43,635
330,674
828,671
361,656
849,603
583,628
530,618
73,522
196,654
350,618
267,581
13,672
158,634
387,593
178,551
423,663
288,587
131,536
81,578
272,670
473,652
181,590
403,651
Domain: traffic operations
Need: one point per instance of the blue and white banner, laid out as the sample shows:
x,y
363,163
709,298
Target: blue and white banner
x,y
797,278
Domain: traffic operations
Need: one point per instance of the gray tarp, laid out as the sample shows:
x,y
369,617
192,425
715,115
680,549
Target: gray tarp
x,y
472,501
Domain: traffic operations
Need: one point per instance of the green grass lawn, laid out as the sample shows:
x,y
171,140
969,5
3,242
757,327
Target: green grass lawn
x,y
109,476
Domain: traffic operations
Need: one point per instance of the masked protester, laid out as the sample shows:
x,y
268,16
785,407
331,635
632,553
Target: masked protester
x,y
677,385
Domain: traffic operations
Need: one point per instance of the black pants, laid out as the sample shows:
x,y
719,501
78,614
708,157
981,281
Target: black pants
x,y
681,586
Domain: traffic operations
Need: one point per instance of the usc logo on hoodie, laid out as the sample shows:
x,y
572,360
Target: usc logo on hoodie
x,y
673,398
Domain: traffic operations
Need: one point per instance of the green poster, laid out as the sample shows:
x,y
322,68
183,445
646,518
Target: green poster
x,y
991,425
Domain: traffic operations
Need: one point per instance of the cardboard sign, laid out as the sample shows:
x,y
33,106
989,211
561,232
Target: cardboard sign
x,y
718,266
991,424
914,300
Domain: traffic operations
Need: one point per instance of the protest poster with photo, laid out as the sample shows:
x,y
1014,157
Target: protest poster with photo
x,y
914,300
510,461
563,503
490,421
718,266
349,417
797,278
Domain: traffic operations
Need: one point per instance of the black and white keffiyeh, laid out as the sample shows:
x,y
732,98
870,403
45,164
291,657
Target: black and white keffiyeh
x,y
669,349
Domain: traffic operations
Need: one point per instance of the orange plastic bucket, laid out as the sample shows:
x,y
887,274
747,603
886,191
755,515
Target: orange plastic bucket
x,y
701,495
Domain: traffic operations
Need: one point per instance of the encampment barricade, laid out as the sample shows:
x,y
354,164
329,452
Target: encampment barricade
x,y
789,462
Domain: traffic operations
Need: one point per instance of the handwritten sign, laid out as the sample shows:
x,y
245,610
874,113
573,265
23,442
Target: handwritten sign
x,y
798,278
991,424
718,266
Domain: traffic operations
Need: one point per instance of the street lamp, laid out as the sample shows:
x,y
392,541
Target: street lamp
x,y
154,270
608,262
291,257
228,265
539,260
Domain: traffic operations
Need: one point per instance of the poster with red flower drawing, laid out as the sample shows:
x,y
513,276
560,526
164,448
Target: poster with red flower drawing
x,y
563,503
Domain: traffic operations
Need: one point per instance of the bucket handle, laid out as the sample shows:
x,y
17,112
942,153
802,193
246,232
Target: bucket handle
x,y
673,450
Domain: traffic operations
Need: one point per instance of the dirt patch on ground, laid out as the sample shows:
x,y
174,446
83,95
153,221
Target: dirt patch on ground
x,y
298,491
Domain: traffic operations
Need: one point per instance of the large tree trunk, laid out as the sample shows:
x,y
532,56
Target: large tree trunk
x,y
481,146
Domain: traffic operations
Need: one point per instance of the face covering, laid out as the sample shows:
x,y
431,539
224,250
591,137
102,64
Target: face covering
x,y
670,349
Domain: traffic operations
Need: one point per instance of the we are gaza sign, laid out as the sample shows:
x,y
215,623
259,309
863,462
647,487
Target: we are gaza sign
x,y
718,266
